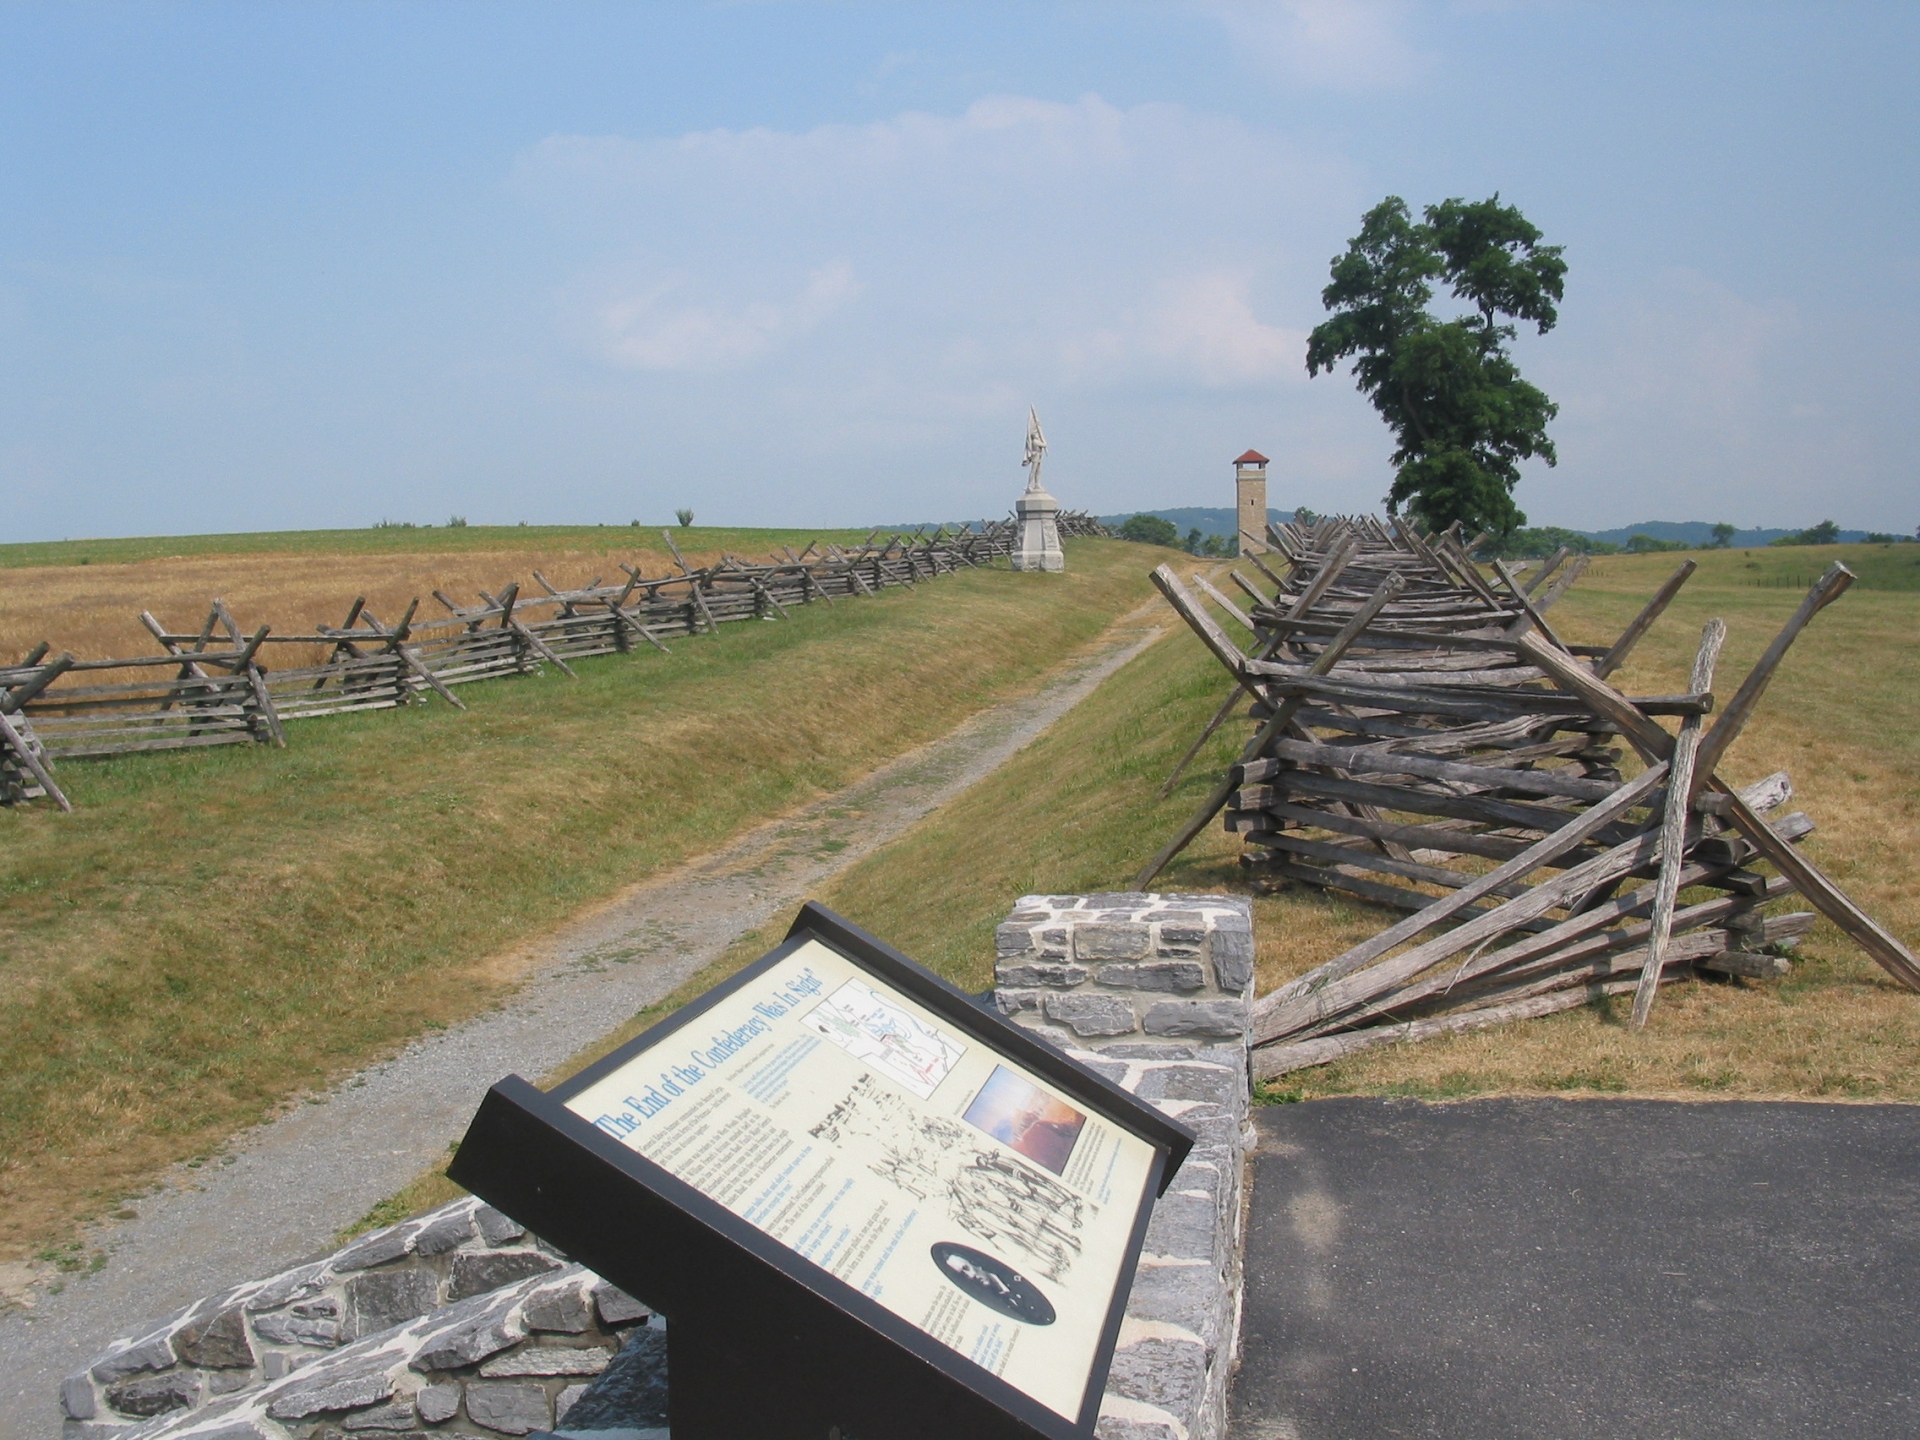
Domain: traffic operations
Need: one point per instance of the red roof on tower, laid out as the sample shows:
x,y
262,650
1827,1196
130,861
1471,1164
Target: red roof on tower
x,y
1252,457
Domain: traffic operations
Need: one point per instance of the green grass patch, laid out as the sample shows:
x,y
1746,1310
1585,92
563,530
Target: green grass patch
x,y
211,934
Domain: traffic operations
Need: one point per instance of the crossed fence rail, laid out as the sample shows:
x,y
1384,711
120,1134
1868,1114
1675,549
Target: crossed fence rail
x,y
217,686
1424,740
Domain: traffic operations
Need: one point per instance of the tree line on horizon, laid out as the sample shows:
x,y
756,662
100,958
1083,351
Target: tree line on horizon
x,y
1527,543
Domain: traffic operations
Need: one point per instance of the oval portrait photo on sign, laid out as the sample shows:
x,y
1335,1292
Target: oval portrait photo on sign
x,y
993,1283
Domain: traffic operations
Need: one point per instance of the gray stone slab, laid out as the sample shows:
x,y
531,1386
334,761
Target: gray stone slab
x,y
511,1407
381,1299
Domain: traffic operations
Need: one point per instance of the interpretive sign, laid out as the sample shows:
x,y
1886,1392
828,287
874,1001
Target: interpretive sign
x,y
866,1205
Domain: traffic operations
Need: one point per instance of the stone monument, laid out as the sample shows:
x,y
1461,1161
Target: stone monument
x,y
1039,531
1250,500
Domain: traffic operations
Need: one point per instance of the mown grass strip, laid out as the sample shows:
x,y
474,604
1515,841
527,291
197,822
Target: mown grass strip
x,y
211,933
1078,809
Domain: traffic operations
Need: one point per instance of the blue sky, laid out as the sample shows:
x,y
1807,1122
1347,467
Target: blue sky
x,y
285,266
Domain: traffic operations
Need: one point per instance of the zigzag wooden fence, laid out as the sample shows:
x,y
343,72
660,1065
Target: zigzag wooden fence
x,y
216,687
1425,741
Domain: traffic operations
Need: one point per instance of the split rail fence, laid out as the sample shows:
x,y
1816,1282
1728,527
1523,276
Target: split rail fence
x,y
1424,740
215,686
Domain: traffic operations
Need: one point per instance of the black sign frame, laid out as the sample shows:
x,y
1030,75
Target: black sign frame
x,y
763,1344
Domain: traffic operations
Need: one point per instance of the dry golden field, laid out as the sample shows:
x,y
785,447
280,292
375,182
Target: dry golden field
x,y
93,609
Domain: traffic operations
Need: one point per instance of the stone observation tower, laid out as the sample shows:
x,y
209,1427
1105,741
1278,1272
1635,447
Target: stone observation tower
x,y
1039,531
1250,499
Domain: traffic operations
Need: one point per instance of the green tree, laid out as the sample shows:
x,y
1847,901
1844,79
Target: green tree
x,y
1825,533
1194,539
1723,534
1151,530
1638,544
1461,416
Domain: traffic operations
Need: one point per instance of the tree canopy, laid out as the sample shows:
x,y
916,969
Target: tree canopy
x,y
1151,530
1461,416
1825,533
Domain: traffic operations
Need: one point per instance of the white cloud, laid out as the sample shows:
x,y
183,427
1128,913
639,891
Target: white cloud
x,y
1198,327
1021,242
885,299
1339,44
659,329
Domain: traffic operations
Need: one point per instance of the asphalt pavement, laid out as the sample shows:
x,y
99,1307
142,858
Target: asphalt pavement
x,y
1641,1269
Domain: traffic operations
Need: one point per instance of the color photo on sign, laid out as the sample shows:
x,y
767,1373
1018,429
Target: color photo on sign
x,y
1018,1113
843,1119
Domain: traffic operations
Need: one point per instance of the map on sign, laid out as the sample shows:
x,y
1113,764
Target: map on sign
x,y
848,1121
871,1029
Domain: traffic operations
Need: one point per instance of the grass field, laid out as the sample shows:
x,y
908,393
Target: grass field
x,y
1078,811
87,596
211,933
403,540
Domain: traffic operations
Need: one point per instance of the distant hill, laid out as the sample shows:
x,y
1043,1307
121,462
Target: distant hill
x,y
1207,521
1689,532
1699,533
1219,520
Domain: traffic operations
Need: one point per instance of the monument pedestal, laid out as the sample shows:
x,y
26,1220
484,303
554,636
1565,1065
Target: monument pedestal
x,y
1039,533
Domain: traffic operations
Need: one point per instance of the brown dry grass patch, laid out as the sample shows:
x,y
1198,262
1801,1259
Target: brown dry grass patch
x,y
93,610
210,936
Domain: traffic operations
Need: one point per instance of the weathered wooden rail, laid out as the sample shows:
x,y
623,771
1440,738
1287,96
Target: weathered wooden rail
x,y
218,685
1425,741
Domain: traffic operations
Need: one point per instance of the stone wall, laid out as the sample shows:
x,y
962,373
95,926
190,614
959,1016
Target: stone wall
x,y
457,1322
1153,991
1096,969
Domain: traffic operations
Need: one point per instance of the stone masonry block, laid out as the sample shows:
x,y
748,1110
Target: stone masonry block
x,y
327,1393
1088,1015
495,1228
153,1353
1010,940
1184,1225
510,1407
1054,975
376,1249
1112,942
477,1274
438,1402
380,1299
444,1232
544,1360
1214,1084
395,1415
1169,1373
616,1307
1154,975
564,1312
1012,1002
1232,959
155,1394
76,1397
1224,1018
215,1342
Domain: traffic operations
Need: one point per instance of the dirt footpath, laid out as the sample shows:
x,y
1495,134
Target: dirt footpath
x,y
283,1191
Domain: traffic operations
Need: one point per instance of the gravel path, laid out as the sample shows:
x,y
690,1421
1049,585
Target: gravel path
x,y
281,1192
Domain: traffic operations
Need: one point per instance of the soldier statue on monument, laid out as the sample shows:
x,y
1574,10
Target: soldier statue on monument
x,y
1039,531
